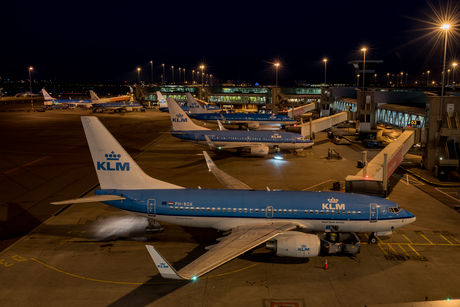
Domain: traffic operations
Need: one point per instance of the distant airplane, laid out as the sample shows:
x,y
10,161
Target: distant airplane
x,y
96,99
48,101
27,94
202,107
127,106
285,220
251,121
164,106
258,142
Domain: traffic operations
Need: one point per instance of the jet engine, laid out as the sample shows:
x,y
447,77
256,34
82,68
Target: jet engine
x,y
128,109
259,150
253,125
295,244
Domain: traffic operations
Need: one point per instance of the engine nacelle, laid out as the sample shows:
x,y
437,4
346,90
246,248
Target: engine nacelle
x,y
296,244
128,109
253,125
259,150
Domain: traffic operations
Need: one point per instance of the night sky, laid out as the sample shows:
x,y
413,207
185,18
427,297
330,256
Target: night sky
x,y
236,40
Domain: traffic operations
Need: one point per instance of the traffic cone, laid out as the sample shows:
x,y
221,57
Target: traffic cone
x,y
325,265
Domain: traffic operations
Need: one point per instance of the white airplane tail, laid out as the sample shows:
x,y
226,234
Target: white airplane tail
x,y
179,119
94,97
194,106
48,100
161,100
114,166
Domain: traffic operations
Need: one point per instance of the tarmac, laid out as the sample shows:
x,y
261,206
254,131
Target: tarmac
x,y
94,254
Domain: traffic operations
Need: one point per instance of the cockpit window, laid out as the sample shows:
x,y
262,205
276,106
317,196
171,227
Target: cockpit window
x,y
394,209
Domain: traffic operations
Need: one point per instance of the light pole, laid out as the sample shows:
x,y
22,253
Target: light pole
x,y
325,63
428,77
151,71
401,80
30,79
358,79
453,73
364,72
211,80
197,77
202,67
388,79
375,79
277,65
163,76
407,74
193,79
422,77
138,75
444,27
184,75
448,76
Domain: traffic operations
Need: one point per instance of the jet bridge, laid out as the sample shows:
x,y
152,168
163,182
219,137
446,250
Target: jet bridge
x,y
323,123
373,178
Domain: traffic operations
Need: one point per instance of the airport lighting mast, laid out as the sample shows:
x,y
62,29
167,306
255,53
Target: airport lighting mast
x,y
163,76
277,65
444,27
325,64
139,75
453,73
30,79
202,67
151,71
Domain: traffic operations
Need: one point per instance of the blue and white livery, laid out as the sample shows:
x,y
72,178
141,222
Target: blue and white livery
x,y
252,217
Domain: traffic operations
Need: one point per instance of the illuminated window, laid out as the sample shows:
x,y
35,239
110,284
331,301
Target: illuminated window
x,y
234,209
250,210
290,210
327,212
354,212
182,208
213,209
348,212
316,211
192,208
343,212
263,210
177,208
186,208
311,211
295,211
306,211
322,211
218,209
359,212
239,210
257,210
170,207
224,209
285,211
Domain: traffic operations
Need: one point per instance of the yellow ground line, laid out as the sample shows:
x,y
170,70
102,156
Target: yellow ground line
x,y
414,250
403,249
446,239
427,239
391,246
383,249
136,283
405,237
454,238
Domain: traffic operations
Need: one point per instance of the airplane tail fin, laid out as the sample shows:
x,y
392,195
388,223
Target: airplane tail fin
x,y
166,270
161,100
114,166
48,100
94,97
221,126
179,119
194,105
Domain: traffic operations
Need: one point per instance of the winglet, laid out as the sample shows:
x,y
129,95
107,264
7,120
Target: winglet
x,y
165,269
208,140
221,126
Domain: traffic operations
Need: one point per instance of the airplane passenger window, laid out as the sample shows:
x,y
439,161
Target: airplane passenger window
x,y
311,211
229,209
343,211
322,211
182,208
213,209
224,209
316,211
177,208
327,211
268,210
239,210
257,210
245,210
280,210
290,210
338,211
186,208
234,209
250,210
192,208
295,211
354,212
359,212
332,211
202,208
218,209
306,211
285,211
170,207
263,210
348,212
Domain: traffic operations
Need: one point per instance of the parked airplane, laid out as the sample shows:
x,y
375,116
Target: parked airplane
x,y
96,99
249,120
27,94
48,101
258,142
203,107
164,106
286,219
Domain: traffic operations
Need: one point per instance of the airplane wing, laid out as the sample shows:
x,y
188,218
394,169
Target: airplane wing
x,y
212,146
225,179
239,241
90,199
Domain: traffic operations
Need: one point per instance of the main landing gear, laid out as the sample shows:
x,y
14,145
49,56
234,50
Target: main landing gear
x,y
372,238
154,226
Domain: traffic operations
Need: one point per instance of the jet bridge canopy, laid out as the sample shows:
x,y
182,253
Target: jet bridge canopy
x,y
373,178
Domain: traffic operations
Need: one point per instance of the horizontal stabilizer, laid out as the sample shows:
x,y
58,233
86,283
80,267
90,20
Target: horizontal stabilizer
x,y
163,266
90,199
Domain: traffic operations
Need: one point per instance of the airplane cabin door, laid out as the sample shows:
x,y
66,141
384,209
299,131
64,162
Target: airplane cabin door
x,y
269,212
293,139
151,207
374,213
